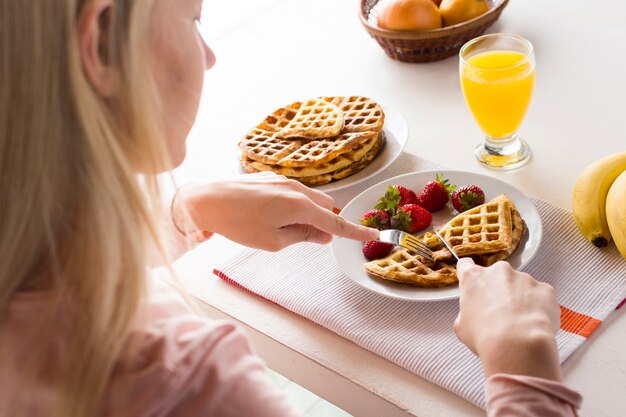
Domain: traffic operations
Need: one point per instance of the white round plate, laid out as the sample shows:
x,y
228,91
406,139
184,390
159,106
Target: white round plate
x,y
350,258
396,134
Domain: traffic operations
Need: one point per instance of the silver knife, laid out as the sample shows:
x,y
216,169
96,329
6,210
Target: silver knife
x,y
447,245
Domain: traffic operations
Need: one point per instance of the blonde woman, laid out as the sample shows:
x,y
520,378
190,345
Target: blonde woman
x,y
96,98
93,92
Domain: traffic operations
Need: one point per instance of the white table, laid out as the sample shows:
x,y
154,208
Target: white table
x,y
273,52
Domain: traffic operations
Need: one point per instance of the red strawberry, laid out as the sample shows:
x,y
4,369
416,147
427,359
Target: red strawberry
x,y
436,194
412,218
395,196
406,196
375,249
376,218
467,197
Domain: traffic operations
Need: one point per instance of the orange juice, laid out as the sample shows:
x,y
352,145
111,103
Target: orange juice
x,y
498,86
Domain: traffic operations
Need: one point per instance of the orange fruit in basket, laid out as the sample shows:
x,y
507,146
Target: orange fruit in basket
x,y
458,11
409,15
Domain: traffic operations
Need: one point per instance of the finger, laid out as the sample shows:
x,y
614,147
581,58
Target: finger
x,y
321,199
265,176
329,222
463,264
463,268
458,329
462,333
457,324
303,233
318,197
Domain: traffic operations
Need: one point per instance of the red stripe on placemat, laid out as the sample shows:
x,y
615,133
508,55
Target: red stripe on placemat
x,y
231,281
620,305
578,323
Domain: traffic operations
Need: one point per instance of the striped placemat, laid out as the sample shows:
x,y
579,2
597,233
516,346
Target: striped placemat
x,y
305,279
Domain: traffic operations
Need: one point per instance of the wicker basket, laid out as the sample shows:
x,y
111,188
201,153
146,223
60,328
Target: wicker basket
x,y
428,45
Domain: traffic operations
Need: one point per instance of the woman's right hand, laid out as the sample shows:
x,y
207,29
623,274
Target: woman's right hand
x,y
267,211
508,319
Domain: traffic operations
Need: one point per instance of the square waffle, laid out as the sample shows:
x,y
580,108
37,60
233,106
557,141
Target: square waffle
x,y
518,229
315,119
360,113
409,268
341,161
274,145
301,153
348,170
502,228
483,229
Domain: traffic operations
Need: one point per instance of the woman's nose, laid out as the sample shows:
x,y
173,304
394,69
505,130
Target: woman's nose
x,y
209,56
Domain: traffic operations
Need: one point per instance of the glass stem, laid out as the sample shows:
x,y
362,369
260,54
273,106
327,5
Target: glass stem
x,y
502,146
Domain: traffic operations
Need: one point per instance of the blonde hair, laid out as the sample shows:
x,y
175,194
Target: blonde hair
x,y
75,217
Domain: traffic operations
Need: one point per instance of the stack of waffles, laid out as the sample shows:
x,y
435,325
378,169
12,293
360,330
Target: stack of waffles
x,y
488,233
316,141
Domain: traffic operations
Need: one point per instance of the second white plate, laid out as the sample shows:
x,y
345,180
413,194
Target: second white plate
x,y
350,258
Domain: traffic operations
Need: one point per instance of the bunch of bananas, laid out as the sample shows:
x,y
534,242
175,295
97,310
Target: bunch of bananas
x,y
599,202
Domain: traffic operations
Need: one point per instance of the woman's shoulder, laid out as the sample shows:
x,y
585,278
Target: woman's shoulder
x,y
177,355
171,331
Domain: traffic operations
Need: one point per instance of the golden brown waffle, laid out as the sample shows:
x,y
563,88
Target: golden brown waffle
x,y
406,267
340,167
518,229
484,229
320,160
341,161
261,147
360,113
315,119
279,118
347,171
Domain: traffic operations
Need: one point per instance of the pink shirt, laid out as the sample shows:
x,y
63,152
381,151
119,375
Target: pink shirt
x,y
192,366
526,396
189,366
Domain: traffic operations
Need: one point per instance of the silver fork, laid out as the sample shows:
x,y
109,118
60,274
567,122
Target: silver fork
x,y
406,240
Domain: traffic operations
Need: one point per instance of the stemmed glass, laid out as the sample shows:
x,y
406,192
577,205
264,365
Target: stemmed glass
x,y
497,74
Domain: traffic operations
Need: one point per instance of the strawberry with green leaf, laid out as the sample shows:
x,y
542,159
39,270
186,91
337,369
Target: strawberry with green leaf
x,y
395,196
377,219
467,197
436,194
412,218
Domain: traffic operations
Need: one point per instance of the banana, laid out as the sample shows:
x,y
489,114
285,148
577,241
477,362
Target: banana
x,y
616,212
589,197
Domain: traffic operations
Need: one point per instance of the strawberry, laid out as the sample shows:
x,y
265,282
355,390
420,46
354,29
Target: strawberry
x,y
377,219
407,196
467,197
396,195
436,194
412,218
375,249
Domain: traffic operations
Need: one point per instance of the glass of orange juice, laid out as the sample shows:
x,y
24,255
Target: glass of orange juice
x,y
497,74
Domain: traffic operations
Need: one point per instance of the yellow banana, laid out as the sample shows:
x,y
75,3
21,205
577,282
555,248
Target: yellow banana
x,y
589,197
616,212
